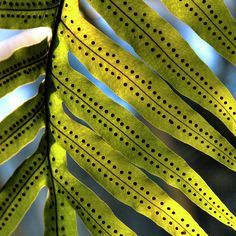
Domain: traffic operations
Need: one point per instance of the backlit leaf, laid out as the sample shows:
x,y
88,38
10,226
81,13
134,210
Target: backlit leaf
x,y
20,127
113,146
24,66
211,20
19,193
122,179
129,136
161,46
141,87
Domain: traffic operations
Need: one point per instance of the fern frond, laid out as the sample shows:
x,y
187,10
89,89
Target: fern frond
x,y
19,193
119,177
138,85
20,127
24,66
116,147
211,20
161,46
132,138
95,213
23,15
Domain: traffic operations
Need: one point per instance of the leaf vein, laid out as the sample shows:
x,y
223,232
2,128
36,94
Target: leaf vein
x,y
24,184
213,23
174,61
146,93
119,177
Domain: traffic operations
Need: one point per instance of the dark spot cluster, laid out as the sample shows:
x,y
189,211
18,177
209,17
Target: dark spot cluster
x,y
18,193
81,203
31,4
20,128
28,11
24,67
166,52
211,20
142,88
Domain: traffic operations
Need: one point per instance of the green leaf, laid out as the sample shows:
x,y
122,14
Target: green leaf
x,y
24,66
211,20
59,216
140,86
21,190
118,145
119,177
22,15
132,138
21,126
161,46
97,216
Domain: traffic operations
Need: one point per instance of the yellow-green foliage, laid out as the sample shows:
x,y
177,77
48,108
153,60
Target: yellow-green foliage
x,y
118,147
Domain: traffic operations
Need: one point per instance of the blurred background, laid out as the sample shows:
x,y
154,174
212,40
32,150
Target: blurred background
x,y
219,178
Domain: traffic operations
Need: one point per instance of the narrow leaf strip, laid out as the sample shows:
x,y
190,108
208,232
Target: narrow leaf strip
x,y
21,190
138,85
97,216
211,20
22,15
161,46
118,176
59,216
24,66
21,126
135,141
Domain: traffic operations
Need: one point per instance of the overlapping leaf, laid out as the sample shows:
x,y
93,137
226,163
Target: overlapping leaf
x,y
211,20
132,80
161,46
141,87
122,179
128,135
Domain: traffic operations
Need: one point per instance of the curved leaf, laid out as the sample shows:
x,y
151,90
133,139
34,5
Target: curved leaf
x,y
24,66
21,126
22,15
211,20
21,190
161,46
138,85
135,141
119,177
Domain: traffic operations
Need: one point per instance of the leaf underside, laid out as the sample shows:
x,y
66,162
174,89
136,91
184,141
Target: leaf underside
x,y
211,20
162,47
117,145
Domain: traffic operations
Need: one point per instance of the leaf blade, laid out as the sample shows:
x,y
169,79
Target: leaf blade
x,y
21,190
101,218
130,137
24,66
55,219
21,126
108,168
211,20
138,85
161,46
